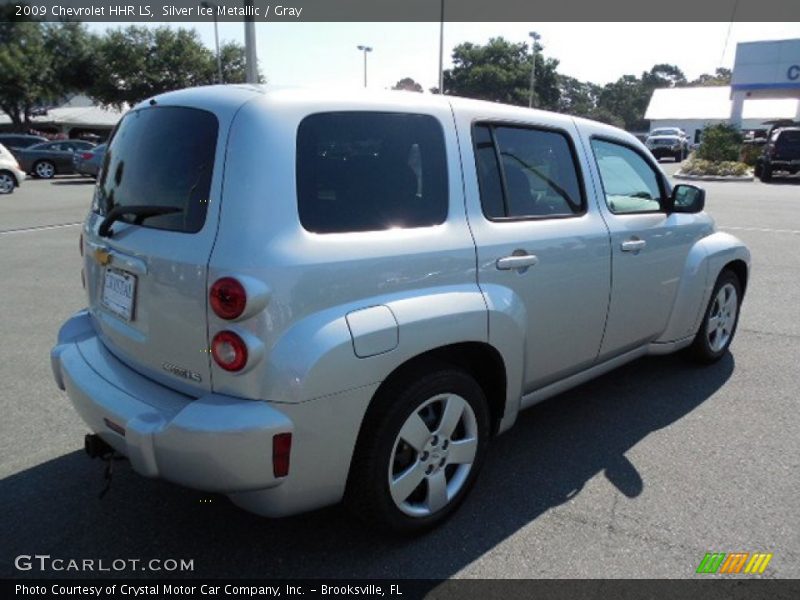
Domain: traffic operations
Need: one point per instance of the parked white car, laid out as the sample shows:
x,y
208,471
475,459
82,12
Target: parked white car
x,y
295,299
10,173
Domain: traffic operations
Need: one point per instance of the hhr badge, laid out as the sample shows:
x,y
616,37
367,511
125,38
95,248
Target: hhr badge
x,y
181,372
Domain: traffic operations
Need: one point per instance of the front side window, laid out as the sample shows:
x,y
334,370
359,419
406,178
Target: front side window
x,y
370,171
526,173
630,184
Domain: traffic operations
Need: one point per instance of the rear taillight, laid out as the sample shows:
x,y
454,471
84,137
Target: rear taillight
x,y
281,450
228,298
86,155
229,351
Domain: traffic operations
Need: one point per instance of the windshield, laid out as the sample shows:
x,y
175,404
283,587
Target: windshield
x,y
664,132
160,156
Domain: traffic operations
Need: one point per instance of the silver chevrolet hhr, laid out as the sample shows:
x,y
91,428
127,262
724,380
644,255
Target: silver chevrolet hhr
x,y
296,298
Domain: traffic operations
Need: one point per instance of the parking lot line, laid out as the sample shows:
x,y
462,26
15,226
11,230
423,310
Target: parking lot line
x,y
39,228
761,229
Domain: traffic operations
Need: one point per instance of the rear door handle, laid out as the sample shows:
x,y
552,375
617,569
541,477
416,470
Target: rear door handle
x,y
523,261
633,245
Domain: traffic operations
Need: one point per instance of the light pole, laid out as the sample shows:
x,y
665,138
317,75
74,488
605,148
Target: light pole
x,y
251,60
534,38
213,7
441,50
365,49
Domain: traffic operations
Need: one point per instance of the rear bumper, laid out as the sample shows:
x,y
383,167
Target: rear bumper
x,y
215,443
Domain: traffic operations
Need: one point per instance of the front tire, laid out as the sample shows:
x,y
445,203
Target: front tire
x,y
419,452
720,319
7,182
44,169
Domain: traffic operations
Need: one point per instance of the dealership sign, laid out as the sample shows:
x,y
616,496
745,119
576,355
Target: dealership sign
x,y
765,65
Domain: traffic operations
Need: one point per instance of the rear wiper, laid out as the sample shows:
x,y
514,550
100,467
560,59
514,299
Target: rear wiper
x,y
140,212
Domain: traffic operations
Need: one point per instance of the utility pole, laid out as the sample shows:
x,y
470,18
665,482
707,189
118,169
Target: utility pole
x,y
441,50
365,49
534,38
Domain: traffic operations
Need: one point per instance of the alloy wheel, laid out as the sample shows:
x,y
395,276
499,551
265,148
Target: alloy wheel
x,y
722,317
432,455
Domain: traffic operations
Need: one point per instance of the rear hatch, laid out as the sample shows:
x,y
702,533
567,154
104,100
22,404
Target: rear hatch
x,y
157,198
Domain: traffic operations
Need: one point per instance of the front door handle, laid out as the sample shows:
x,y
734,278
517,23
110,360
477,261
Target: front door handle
x,y
522,261
633,245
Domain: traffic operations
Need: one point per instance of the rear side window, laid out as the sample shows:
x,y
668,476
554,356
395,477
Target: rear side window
x,y
526,173
789,138
370,171
161,156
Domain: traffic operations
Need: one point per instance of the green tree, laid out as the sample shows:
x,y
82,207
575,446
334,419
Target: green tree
x,y
234,68
408,85
576,97
663,75
137,63
721,76
500,71
40,63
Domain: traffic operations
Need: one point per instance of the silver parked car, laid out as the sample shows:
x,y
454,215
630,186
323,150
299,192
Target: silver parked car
x,y
296,299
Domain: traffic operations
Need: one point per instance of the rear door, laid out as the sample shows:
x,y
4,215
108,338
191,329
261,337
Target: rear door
x,y
146,280
538,238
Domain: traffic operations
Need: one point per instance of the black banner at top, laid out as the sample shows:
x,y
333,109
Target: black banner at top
x,y
137,11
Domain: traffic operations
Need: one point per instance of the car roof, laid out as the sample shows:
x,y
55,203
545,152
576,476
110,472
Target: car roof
x,y
231,97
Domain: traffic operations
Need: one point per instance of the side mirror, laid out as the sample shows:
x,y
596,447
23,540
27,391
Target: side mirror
x,y
687,198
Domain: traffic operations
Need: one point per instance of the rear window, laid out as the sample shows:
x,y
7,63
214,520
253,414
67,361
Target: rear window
x,y
789,138
369,171
161,156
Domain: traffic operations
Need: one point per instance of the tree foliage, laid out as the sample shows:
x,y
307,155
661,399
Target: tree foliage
x,y
721,76
42,63
500,71
407,84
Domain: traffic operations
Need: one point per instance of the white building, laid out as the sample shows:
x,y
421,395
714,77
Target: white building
x,y
765,86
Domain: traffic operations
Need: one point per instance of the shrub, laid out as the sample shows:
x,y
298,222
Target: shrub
x,y
699,166
750,153
720,143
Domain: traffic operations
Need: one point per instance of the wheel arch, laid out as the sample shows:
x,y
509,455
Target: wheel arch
x,y
479,359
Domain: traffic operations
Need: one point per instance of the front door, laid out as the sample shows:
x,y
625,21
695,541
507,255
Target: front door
x,y
649,247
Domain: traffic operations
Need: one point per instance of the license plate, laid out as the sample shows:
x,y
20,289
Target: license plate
x,y
119,293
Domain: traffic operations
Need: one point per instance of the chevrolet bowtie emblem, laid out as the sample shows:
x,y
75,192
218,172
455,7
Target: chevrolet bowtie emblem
x,y
102,256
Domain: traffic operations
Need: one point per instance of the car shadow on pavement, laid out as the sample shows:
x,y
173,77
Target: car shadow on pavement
x,y
544,461
82,181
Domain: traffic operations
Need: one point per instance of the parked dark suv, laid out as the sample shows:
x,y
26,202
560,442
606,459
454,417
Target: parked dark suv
x,y
782,153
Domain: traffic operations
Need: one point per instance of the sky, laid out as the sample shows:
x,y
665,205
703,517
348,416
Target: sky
x,y
324,54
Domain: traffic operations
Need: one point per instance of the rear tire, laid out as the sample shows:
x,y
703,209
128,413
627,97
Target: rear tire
x,y
7,182
766,173
758,169
719,321
421,446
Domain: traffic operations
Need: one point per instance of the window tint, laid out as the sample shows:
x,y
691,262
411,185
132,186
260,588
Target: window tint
x,y
526,172
363,171
162,156
489,180
789,138
629,182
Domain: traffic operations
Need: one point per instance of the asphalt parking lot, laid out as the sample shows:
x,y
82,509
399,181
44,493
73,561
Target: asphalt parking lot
x,y
637,474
